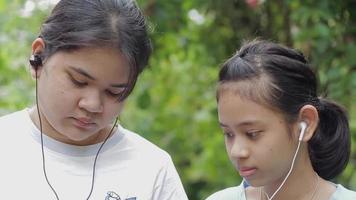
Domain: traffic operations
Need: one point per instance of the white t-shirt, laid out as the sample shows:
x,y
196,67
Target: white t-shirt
x,y
238,193
128,167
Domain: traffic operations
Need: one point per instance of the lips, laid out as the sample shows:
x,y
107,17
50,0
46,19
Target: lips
x,y
83,123
247,171
85,120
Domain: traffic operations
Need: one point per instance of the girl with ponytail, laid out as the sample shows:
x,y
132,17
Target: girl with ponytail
x,y
285,141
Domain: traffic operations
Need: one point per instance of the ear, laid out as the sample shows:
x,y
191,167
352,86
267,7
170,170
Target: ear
x,y
309,115
38,46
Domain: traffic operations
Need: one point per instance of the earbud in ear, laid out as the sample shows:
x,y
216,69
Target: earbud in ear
x,y
303,126
35,61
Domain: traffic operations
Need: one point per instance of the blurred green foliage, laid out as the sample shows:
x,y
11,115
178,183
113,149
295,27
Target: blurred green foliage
x,y
174,104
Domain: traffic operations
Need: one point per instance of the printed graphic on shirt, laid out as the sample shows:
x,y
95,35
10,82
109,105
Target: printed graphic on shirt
x,y
113,196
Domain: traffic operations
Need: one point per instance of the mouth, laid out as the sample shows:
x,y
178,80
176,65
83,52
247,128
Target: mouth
x,y
247,171
84,123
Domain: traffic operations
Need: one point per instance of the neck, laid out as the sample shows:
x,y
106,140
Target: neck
x,y
300,184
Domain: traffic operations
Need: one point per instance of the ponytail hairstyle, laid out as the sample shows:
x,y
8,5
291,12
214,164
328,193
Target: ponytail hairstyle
x,y
118,24
281,78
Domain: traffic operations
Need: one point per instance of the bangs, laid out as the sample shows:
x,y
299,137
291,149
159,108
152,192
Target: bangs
x,y
259,89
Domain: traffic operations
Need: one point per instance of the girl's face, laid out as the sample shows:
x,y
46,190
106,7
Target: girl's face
x,y
257,139
78,93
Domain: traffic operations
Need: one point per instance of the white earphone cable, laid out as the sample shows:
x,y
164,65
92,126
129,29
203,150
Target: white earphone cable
x,y
289,172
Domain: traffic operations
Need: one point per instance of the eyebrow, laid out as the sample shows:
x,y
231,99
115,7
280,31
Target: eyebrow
x,y
245,123
84,73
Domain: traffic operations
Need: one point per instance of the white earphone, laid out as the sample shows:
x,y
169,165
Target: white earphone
x,y
303,126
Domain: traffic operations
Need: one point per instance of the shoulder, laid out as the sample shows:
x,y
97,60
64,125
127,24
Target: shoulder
x,y
232,193
18,124
342,193
143,147
13,118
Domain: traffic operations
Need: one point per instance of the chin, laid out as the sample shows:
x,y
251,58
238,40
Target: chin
x,y
255,182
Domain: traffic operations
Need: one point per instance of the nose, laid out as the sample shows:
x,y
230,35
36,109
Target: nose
x,y
239,150
92,102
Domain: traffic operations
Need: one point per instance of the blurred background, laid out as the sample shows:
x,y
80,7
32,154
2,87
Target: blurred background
x,y
174,104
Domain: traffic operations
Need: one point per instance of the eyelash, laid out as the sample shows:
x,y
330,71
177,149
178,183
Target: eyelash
x,y
253,134
82,84
250,134
111,94
228,134
78,83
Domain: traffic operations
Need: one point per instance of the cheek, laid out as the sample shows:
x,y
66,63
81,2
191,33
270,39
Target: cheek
x,y
278,157
63,93
228,145
57,96
266,152
112,109
228,148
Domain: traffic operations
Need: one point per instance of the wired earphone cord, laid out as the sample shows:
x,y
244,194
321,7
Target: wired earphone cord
x,y
43,155
290,171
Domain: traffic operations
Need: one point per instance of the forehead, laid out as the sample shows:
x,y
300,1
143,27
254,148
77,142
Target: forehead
x,y
234,110
98,62
256,89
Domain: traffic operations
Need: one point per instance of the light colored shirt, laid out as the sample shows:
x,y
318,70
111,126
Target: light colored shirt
x,y
238,193
128,168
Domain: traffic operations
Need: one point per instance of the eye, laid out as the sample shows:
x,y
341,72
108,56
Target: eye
x,y
228,134
77,83
114,94
253,134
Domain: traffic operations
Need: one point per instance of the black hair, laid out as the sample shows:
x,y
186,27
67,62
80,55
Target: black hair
x,y
120,24
282,78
